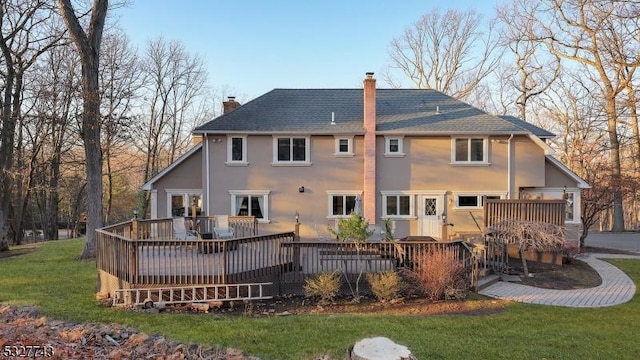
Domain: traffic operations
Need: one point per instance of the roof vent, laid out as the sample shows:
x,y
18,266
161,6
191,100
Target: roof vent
x,y
438,110
333,118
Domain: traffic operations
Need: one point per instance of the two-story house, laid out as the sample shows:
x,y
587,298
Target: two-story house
x,y
418,157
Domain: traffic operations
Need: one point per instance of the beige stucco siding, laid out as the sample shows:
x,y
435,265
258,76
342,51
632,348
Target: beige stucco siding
x,y
426,167
529,164
327,172
554,178
185,176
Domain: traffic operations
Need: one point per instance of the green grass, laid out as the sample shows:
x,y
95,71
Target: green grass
x,y
64,288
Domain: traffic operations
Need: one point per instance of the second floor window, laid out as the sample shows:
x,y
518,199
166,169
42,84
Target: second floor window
x,y
393,146
470,150
344,146
236,150
291,150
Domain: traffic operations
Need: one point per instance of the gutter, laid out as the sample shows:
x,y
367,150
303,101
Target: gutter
x,y
207,176
510,168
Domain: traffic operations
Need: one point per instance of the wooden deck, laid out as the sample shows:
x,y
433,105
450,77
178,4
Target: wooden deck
x,y
143,255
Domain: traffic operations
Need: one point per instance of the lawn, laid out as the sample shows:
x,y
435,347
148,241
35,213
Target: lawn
x,y
63,288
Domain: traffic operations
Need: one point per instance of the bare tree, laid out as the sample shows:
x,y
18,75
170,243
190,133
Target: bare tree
x,y
27,29
596,35
571,110
446,52
55,98
119,78
532,72
175,83
88,44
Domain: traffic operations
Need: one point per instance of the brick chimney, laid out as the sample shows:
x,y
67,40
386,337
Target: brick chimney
x,y
369,197
229,105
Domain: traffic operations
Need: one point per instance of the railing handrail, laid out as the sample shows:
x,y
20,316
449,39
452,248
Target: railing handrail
x,y
151,260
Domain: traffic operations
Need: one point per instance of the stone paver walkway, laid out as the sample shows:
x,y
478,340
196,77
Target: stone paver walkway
x,y
616,288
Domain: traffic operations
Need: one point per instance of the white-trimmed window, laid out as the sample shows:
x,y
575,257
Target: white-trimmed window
x,y
344,146
291,150
344,203
397,205
473,201
469,150
570,207
237,150
393,146
183,202
571,196
250,203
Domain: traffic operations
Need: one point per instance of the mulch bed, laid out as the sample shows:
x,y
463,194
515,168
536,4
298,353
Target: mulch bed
x,y
24,332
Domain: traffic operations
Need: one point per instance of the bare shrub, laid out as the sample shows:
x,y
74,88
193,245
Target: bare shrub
x,y
530,235
324,286
438,274
385,286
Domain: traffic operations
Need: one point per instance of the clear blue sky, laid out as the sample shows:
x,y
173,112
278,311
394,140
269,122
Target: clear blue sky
x,y
253,46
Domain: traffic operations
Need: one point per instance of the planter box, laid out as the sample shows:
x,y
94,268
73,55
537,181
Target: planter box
x,y
545,257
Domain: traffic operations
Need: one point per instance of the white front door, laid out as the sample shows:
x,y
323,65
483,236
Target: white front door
x,y
429,217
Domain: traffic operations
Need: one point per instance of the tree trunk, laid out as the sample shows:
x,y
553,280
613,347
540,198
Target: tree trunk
x,y
525,268
616,166
7,133
88,45
93,154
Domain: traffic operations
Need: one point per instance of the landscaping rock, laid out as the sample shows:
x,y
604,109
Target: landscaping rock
x,y
379,348
161,306
204,307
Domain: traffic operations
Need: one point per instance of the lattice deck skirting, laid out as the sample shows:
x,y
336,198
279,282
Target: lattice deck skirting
x,y
191,294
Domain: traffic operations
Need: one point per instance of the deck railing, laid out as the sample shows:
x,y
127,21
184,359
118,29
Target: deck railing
x,y
144,253
146,262
243,226
140,229
311,258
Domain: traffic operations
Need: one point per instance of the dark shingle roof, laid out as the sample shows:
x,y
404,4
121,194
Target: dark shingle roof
x,y
537,131
401,111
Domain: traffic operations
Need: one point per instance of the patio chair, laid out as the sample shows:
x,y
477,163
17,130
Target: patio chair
x,y
180,230
221,229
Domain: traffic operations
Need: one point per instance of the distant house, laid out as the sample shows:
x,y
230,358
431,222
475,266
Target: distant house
x,y
418,157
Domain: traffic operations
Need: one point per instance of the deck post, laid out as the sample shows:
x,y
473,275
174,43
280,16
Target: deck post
x,y
296,248
134,229
133,251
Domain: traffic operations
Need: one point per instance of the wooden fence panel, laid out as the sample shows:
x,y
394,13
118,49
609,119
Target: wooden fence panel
x,y
546,211
311,258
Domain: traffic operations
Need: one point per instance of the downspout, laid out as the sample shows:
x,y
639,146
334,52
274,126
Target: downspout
x,y
510,168
207,176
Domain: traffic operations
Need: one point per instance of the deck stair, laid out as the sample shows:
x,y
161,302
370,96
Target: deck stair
x,y
191,294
